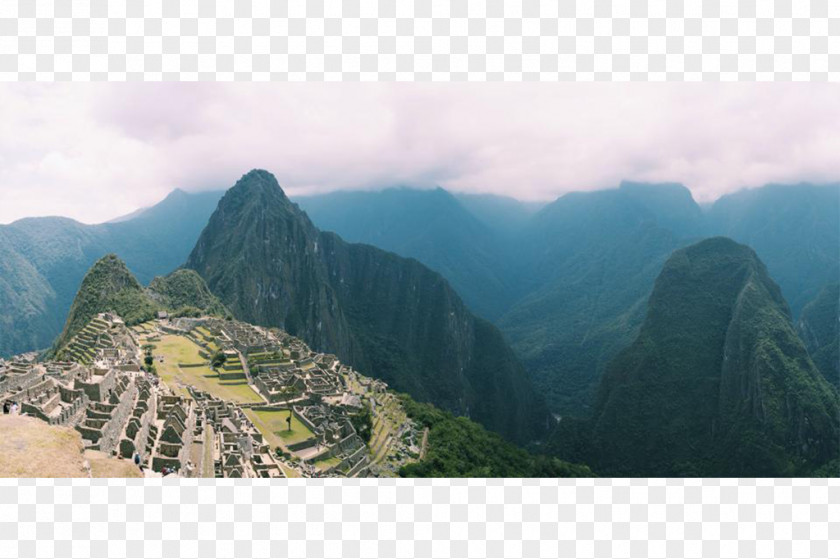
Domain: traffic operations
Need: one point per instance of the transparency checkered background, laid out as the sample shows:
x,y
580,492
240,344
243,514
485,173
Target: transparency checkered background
x,y
420,518
457,40
422,40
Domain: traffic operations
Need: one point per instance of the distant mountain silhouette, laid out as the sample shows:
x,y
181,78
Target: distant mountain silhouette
x,y
47,258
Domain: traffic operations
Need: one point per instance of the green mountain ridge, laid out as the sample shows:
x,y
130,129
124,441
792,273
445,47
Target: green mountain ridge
x,y
569,283
109,286
717,383
45,260
431,226
388,316
819,328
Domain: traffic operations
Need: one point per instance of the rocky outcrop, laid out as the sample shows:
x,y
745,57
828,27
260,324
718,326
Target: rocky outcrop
x,y
387,316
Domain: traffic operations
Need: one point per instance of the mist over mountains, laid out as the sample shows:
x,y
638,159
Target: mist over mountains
x,y
384,314
570,282
490,307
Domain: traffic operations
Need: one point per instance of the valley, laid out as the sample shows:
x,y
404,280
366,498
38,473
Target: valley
x,y
280,349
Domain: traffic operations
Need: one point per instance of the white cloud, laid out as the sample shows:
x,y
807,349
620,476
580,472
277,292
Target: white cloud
x,y
94,151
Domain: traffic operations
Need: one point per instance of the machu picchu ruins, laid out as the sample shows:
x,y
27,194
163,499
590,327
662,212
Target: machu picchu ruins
x,y
207,397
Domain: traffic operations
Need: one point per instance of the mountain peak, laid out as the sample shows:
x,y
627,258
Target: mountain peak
x,y
258,180
108,286
717,381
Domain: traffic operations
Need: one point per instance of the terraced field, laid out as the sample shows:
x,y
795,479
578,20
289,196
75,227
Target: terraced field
x,y
82,348
183,366
273,426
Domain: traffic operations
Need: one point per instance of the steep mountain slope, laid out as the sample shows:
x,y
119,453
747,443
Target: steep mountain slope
x,y
108,287
48,257
159,239
819,328
25,296
586,264
429,225
793,229
184,292
717,383
390,317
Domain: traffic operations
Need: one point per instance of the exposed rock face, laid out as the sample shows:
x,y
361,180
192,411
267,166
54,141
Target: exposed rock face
x,y
388,316
717,382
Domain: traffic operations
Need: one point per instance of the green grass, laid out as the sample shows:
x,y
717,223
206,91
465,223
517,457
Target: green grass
x,y
272,424
178,350
327,463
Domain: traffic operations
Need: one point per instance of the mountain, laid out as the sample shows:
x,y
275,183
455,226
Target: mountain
x,y
568,284
716,383
585,265
109,286
159,239
184,292
388,316
25,297
429,225
45,260
819,328
793,229
501,213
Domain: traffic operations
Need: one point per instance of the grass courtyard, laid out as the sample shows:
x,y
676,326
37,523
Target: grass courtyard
x,y
183,365
272,424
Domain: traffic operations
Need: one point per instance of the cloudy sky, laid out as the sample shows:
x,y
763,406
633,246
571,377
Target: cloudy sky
x,y
96,151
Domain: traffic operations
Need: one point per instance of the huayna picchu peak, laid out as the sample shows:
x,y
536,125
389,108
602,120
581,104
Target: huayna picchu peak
x,y
388,316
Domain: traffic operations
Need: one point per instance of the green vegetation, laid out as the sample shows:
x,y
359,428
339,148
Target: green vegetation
x,y
107,287
44,260
219,359
327,463
382,314
274,427
717,383
819,328
459,447
110,287
185,294
183,366
363,422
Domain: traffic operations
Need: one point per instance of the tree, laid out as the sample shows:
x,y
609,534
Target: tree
x,y
219,359
362,421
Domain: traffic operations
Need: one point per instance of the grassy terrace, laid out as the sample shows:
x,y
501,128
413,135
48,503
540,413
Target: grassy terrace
x,y
273,426
178,351
327,463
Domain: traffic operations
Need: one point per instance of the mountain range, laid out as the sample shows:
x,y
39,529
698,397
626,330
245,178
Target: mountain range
x,y
391,317
568,284
489,307
43,261
716,384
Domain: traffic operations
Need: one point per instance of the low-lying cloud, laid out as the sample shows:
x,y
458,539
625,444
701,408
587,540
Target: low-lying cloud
x,y
95,151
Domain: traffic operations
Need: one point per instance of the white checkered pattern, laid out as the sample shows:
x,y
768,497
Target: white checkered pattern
x,y
423,40
420,518
353,40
